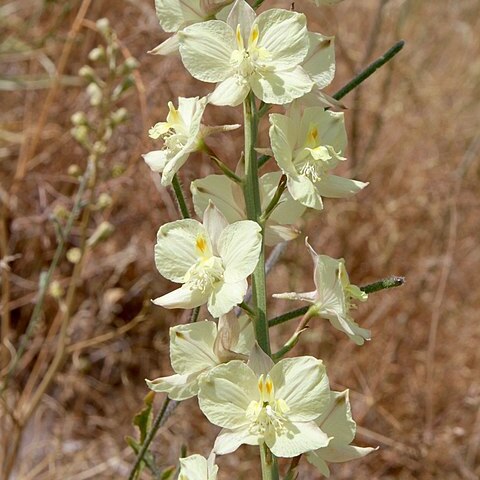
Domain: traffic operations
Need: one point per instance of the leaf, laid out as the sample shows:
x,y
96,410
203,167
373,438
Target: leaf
x,y
143,419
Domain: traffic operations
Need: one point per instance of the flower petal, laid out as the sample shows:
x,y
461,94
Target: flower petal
x,y
191,347
231,92
344,453
224,193
206,49
333,186
283,138
302,189
280,86
239,247
174,164
228,441
177,248
336,419
303,384
182,298
156,160
168,47
275,234
320,60
194,467
298,438
214,222
226,296
304,297
274,26
226,392
178,387
350,327
244,15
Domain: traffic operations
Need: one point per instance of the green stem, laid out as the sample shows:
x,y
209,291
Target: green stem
x,y
282,185
247,309
257,3
254,212
288,316
225,169
371,69
167,407
269,464
182,204
389,282
263,160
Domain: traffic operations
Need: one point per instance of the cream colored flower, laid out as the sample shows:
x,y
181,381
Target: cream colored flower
x,y
266,403
337,422
307,147
196,348
174,15
182,134
212,260
228,197
334,296
249,53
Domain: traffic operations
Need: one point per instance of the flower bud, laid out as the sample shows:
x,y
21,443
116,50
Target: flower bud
x,y
95,94
104,200
102,232
103,25
88,73
80,134
118,116
96,54
56,290
74,170
74,255
79,118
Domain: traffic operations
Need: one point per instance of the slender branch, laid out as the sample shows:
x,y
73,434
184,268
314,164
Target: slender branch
x,y
167,408
370,70
224,168
254,211
263,160
194,314
181,202
389,282
288,316
282,185
244,306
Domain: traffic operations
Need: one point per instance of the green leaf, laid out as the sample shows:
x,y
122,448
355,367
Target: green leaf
x,y
143,419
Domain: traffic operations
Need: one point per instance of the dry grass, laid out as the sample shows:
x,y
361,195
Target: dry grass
x,y
415,386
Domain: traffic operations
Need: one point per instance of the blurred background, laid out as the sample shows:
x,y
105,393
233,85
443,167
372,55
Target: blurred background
x,y
413,132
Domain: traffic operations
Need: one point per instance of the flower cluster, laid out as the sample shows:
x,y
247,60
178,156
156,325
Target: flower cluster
x,y
283,405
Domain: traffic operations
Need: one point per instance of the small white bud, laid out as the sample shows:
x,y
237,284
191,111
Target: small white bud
x,y
74,255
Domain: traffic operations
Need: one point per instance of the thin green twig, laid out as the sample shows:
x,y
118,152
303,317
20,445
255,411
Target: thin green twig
x,y
167,407
389,282
371,69
181,202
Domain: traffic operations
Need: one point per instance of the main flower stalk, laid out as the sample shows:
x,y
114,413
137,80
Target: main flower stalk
x,y
254,212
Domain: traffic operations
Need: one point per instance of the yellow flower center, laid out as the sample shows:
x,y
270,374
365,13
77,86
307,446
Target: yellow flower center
x,y
267,415
204,274
246,60
314,160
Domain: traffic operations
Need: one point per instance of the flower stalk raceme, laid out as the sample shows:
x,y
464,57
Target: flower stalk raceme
x,y
282,405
